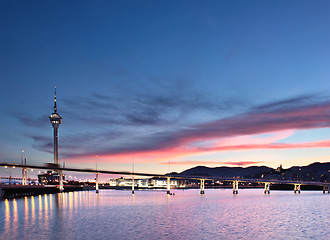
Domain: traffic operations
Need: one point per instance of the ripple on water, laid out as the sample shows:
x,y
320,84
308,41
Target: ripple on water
x,y
154,215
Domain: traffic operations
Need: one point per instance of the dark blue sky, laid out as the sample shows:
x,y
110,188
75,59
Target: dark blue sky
x,y
193,82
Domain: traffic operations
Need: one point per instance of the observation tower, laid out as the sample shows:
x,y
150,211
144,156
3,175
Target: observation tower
x,y
55,120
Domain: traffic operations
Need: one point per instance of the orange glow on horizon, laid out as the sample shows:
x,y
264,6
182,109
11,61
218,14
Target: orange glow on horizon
x,y
174,154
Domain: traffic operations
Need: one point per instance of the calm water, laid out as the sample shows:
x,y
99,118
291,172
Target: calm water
x,y
154,215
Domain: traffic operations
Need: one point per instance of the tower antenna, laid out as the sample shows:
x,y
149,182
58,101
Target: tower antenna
x,y
55,107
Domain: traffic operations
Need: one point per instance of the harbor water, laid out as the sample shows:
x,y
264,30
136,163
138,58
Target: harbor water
x,y
115,214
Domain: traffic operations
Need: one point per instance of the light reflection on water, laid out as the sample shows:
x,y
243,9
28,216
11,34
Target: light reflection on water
x,y
154,215
7,218
33,211
26,213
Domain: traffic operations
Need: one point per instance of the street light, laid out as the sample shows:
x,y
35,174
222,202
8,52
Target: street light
x,y
97,179
22,156
23,169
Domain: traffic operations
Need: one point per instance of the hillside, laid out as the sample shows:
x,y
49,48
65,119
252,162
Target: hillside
x,y
314,172
226,171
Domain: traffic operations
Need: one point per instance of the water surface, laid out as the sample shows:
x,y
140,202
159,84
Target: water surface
x,y
153,215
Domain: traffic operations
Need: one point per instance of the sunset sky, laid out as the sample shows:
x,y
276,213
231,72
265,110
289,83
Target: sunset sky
x,y
215,83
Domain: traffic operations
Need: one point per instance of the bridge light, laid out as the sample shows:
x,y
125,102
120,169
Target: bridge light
x,y
5,166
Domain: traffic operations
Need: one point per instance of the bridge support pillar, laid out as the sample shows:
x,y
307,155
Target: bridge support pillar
x,y
296,188
24,177
267,188
133,184
202,186
97,183
325,189
61,181
1,193
235,187
168,186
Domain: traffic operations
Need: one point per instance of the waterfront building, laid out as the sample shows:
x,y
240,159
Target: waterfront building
x,y
113,182
127,182
162,182
49,177
147,183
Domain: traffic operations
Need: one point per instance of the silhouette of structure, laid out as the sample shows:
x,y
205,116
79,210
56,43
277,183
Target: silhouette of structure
x,y
55,120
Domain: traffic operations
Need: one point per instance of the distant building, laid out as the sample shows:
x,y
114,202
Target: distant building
x,y
279,174
147,183
127,182
162,182
113,182
49,177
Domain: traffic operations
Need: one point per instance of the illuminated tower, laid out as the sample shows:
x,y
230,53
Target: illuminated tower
x,y
55,120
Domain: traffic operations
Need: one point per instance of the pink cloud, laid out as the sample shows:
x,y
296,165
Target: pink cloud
x,y
318,144
176,153
256,139
240,163
258,129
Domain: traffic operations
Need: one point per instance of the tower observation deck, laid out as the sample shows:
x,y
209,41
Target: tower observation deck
x,y
55,120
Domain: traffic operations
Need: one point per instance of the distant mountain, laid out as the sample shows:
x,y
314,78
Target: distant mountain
x,y
315,172
318,168
226,171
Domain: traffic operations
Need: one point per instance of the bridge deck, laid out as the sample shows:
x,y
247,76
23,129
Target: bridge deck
x,y
165,176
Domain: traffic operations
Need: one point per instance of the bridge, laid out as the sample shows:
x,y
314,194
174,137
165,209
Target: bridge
x,y
235,181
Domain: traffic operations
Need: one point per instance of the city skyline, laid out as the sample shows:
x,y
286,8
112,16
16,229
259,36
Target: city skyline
x,y
144,83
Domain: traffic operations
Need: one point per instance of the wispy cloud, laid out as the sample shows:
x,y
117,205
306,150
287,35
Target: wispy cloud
x,y
178,143
156,127
289,103
27,120
316,144
42,143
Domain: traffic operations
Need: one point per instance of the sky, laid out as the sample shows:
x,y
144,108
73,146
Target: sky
x,y
166,85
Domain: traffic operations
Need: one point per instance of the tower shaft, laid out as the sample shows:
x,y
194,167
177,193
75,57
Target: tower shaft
x,y
56,146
